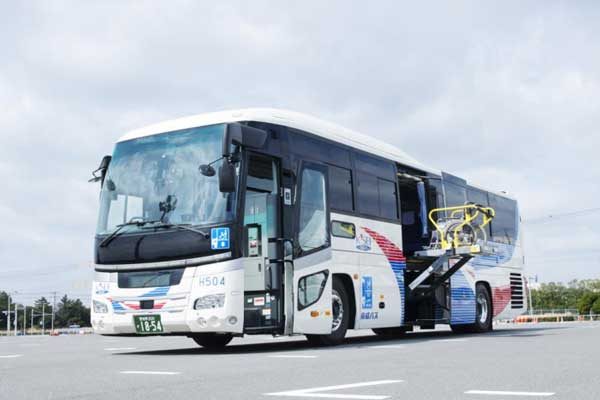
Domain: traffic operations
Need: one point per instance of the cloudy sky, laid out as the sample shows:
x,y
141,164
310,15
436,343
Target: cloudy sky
x,y
506,95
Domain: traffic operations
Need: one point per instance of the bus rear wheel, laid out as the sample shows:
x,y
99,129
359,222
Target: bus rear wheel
x,y
212,341
341,317
483,314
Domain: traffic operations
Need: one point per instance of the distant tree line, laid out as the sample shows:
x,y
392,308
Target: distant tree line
x,y
68,312
582,295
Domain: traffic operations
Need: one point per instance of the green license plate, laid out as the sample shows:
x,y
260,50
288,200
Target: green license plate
x,y
147,324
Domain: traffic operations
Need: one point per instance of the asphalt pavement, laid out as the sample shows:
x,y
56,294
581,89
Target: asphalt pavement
x,y
554,361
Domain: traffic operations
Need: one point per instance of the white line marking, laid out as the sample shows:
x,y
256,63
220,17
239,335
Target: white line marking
x,y
449,340
12,356
505,393
388,346
291,356
119,348
150,372
314,392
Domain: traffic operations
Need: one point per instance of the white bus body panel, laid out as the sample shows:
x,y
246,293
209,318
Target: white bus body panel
x,y
174,303
378,263
304,322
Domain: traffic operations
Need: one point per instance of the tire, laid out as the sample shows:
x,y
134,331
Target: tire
x,y
389,333
213,341
483,314
340,304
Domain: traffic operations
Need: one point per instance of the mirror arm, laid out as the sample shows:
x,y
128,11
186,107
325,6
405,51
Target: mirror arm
x,y
102,169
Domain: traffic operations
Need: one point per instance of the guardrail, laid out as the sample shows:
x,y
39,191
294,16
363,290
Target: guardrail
x,y
556,317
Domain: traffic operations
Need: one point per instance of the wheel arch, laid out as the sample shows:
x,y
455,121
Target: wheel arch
x,y
346,280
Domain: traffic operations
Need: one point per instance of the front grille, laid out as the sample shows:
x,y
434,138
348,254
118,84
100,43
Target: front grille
x,y
516,290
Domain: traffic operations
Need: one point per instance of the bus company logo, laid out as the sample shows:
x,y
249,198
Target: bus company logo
x,y
219,238
102,288
363,242
369,315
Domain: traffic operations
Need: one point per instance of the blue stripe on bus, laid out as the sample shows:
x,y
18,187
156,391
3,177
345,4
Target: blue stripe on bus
x,y
462,300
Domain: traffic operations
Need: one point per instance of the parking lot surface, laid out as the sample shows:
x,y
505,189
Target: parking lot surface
x,y
555,361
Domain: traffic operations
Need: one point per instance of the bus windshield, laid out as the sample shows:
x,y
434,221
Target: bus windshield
x,y
156,178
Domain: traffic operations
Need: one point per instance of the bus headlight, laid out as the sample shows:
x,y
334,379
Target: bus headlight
x,y
100,307
210,301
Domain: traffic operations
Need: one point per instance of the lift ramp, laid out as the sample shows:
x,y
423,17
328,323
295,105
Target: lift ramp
x,y
459,236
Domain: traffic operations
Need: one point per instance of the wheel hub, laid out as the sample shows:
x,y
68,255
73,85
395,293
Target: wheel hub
x,y
482,308
338,311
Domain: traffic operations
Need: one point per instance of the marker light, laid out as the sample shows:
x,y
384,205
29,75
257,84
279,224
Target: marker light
x,y
210,301
100,307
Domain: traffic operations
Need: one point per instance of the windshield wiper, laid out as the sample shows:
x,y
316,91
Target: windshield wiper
x,y
117,231
157,223
186,227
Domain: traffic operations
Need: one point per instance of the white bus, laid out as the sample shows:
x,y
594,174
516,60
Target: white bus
x,y
264,221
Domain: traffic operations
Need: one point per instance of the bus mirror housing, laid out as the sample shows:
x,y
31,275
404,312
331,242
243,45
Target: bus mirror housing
x,y
100,173
243,135
227,177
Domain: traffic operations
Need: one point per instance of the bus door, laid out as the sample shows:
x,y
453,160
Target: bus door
x,y
263,309
312,278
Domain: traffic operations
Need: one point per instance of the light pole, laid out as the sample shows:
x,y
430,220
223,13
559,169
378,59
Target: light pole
x,y
53,311
16,318
8,315
43,318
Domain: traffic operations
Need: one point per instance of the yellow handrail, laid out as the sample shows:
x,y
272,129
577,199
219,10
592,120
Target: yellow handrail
x,y
468,217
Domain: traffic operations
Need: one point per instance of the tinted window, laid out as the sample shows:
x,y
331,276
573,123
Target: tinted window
x,y
318,149
374,166
368,194
310,289
435,193
340,188
148,279
504,224
261,174
343,229
455,195
388,204
479,197
313,217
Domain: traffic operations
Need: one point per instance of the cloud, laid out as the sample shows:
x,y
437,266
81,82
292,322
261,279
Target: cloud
x,y
502,94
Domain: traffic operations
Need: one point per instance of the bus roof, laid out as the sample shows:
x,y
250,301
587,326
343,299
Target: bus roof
x,y
304,122
291,119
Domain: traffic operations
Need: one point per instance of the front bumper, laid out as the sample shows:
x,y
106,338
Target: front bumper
x,y
173,322
175,304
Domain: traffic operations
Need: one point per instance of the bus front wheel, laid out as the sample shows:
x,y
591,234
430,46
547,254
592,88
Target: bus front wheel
x,y
212,341
340,305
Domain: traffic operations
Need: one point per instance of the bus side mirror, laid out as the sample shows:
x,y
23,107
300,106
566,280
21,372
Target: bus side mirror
x,y
100,172
227,177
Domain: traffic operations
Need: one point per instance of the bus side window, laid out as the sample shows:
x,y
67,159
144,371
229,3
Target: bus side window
x,y
504,224
455,195
388,199
479,197
341,188
313,225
